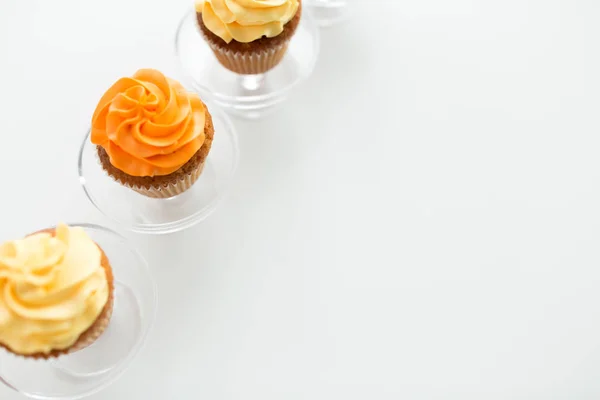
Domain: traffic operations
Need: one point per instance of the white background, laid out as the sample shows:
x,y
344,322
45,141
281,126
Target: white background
x,y
420,221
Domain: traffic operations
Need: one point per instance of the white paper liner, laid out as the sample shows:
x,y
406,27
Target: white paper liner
x,y
162,192
257,62
172,189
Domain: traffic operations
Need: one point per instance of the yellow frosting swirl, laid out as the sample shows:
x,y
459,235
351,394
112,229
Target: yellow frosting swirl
x,y
52,289
246,20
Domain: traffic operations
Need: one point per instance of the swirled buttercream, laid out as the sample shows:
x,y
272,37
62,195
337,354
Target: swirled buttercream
x,y
246,20
52,289
149,124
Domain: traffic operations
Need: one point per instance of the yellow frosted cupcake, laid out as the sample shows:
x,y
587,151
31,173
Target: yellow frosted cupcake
x,y
56,293
248,36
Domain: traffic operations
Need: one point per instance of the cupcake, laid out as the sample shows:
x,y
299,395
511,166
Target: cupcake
x,y
152,135
56,293
248,36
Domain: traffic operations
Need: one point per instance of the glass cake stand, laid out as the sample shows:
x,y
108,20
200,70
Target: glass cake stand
x,y
88,371
142,214
328,12
247,96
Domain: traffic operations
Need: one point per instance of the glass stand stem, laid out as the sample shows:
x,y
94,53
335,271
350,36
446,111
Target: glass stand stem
x,y
252,83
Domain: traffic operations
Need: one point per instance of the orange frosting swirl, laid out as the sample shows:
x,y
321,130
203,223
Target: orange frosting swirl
x,y
149,124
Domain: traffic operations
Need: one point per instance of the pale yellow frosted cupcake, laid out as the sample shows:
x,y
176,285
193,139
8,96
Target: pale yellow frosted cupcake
x,y
56,293
248,36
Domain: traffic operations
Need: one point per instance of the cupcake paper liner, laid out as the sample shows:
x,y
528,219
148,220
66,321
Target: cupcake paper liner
x,y
173,188
99,327
249,63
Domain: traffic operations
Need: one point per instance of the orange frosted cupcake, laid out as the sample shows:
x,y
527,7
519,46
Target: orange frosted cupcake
x,y
56,293
248,36
152,135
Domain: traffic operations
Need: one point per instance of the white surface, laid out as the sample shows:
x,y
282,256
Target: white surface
x,y
421,220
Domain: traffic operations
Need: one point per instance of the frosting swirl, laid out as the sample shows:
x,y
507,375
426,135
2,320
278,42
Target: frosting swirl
x,y
52,289
149,124
246,20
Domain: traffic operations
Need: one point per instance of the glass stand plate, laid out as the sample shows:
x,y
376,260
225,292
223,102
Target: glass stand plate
x,y
88,371
142,214
247,96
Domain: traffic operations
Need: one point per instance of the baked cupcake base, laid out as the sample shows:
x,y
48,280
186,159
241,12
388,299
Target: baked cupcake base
x,y
164,186
95,330
256,57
